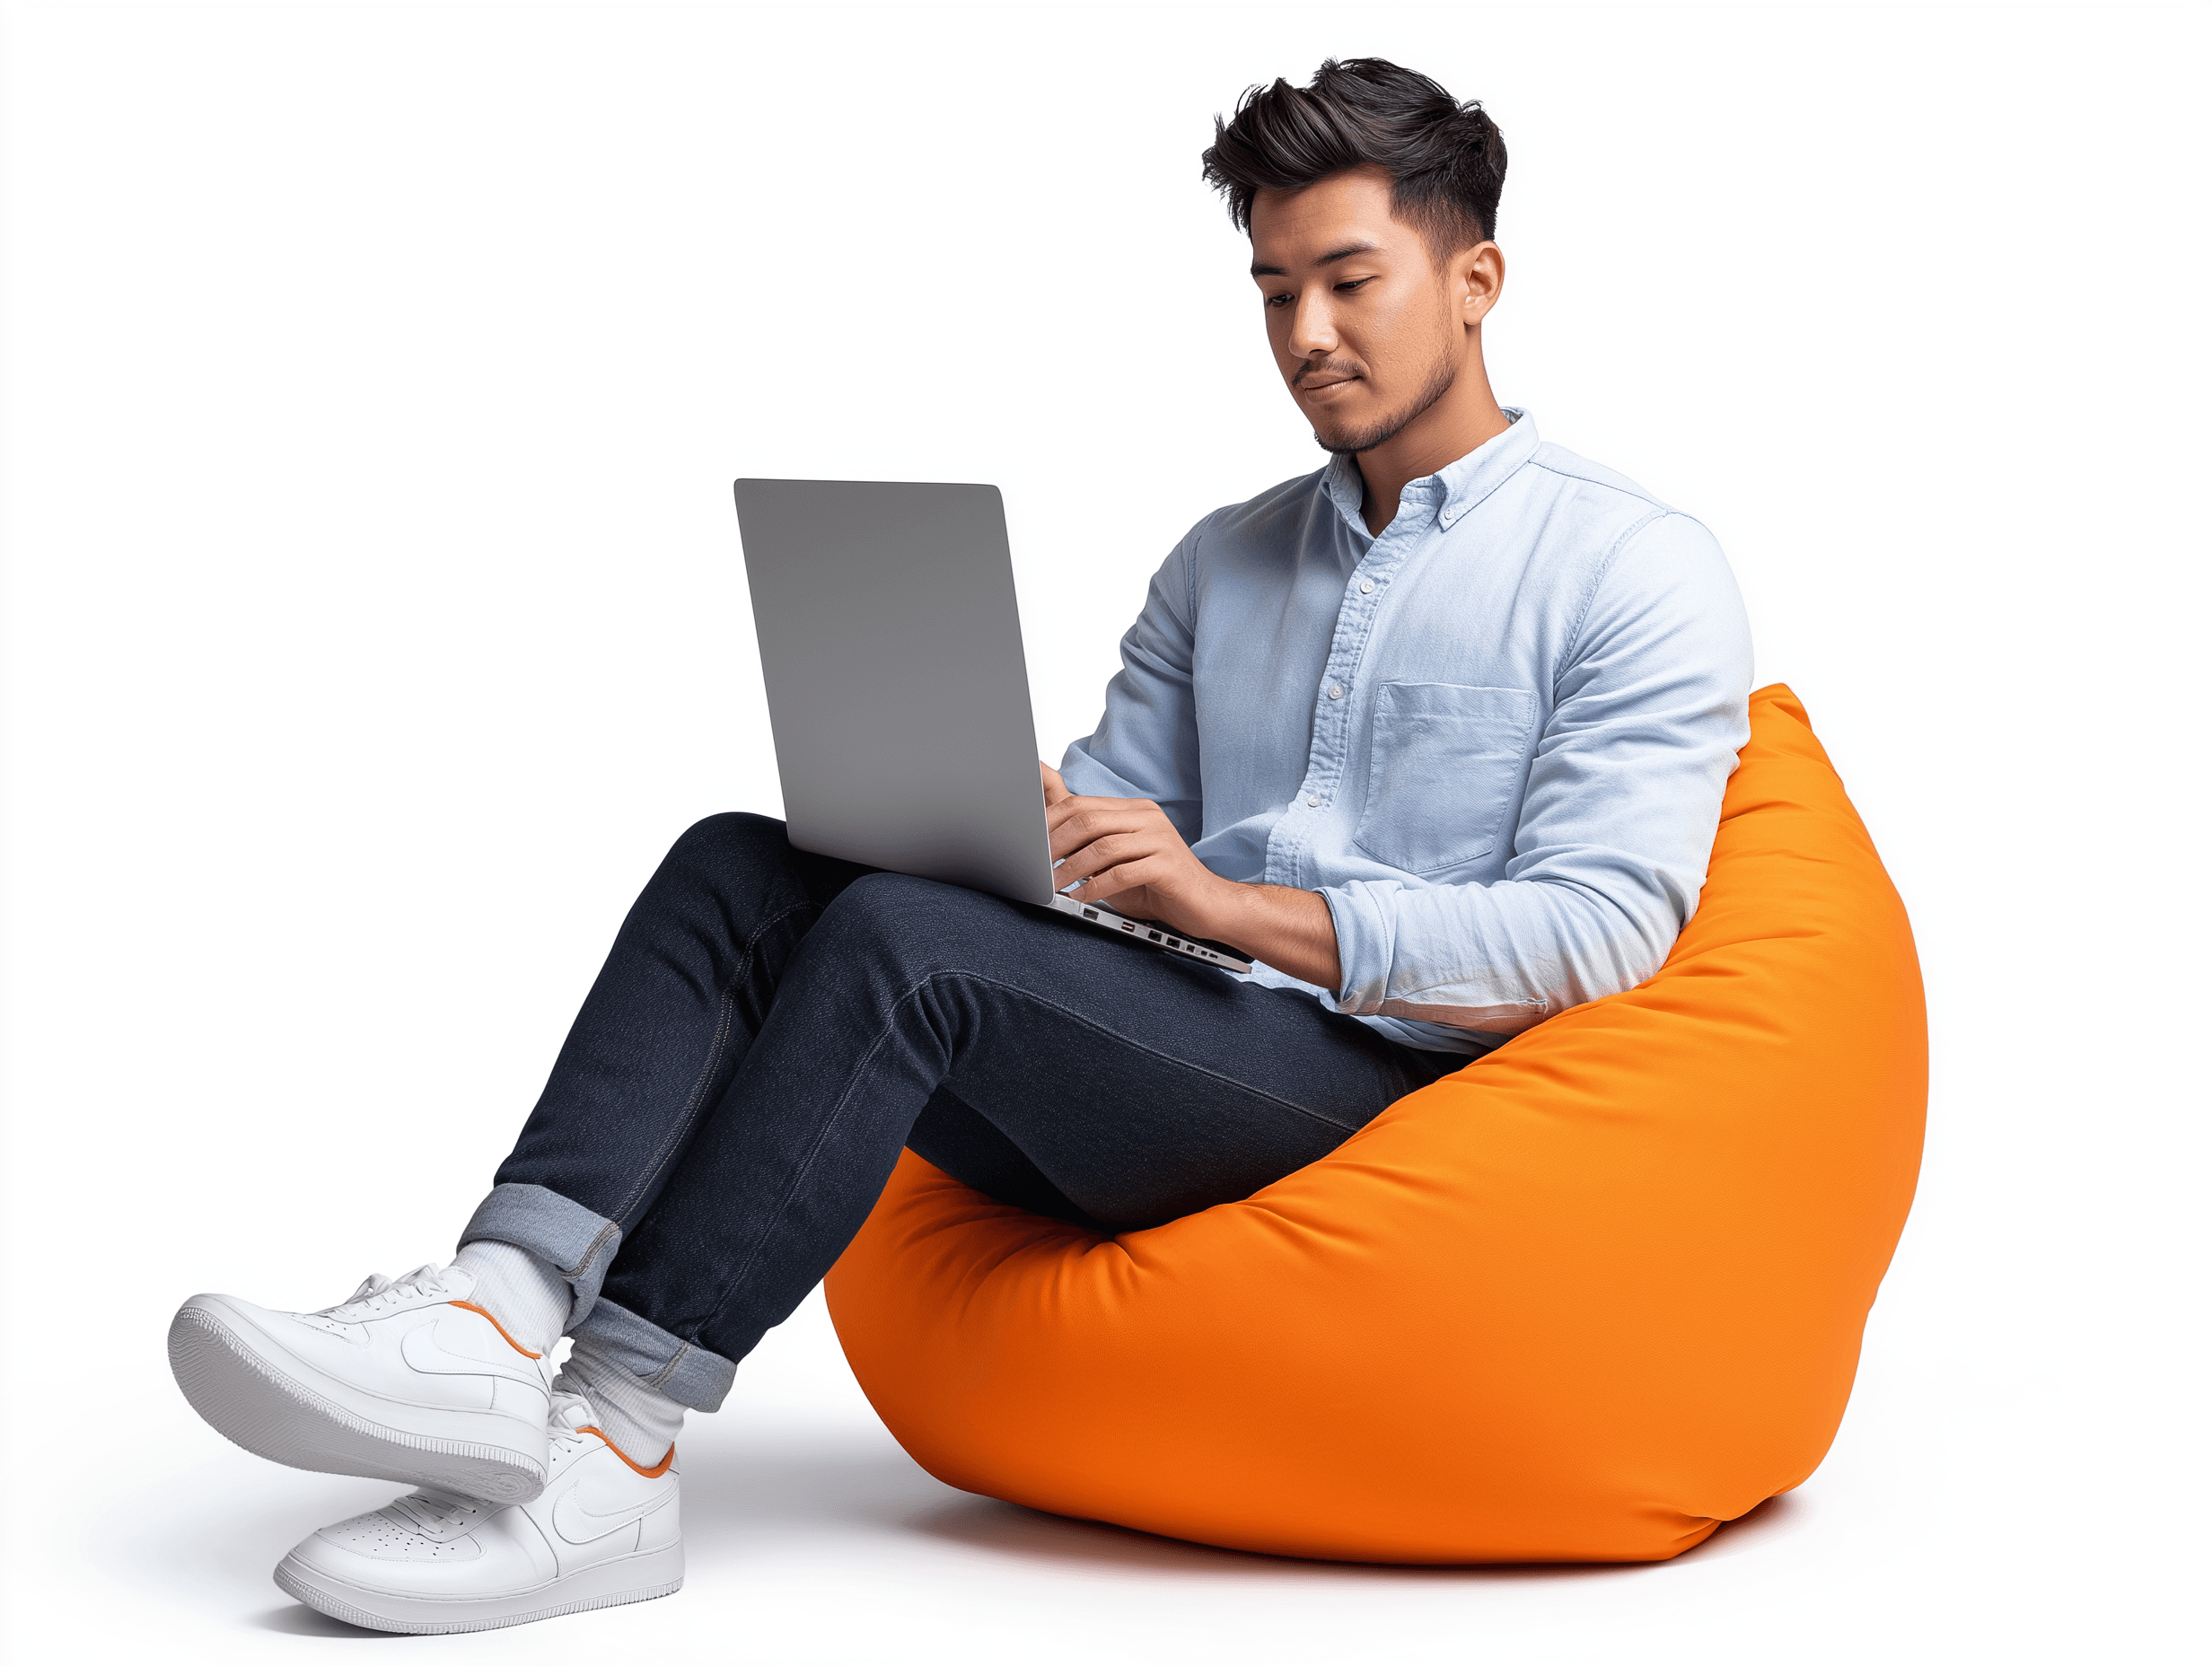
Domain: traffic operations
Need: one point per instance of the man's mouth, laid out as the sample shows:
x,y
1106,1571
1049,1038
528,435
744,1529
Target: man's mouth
x,y
1316,385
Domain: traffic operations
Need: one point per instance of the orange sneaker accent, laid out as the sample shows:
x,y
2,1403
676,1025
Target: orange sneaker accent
x,y
501,1328
653,1474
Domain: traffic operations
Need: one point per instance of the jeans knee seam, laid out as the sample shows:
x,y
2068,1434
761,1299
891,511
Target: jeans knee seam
x,y
727,1013
724,1023
807,1163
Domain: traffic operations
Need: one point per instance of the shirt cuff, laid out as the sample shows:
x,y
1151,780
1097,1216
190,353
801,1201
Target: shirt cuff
x,y
1367,934
1366,918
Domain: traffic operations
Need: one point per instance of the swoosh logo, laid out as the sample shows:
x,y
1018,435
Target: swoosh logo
x,y
421,1348
579,1523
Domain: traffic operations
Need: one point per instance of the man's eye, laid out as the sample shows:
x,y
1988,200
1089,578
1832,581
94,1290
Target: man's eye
x,y
1357,282
1278,300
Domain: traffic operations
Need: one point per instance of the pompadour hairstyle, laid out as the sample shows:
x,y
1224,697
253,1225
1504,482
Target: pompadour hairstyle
x,y
1446,159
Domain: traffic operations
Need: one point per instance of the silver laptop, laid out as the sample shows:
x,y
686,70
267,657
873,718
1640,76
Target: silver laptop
x,y
897,692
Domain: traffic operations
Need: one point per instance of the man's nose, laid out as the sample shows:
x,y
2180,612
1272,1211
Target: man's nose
x,y
1313,330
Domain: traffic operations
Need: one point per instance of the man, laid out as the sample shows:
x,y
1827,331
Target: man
x,y
1437,735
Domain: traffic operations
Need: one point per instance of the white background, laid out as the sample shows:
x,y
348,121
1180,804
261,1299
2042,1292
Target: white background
x,y
375,375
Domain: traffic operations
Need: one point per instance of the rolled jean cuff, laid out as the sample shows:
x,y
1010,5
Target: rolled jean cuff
x,y
685,1371
578,1243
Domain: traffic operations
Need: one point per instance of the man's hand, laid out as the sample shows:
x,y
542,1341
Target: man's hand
x,y
1128,852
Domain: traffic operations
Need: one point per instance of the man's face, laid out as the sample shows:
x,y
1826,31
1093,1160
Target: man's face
x,y
1368,332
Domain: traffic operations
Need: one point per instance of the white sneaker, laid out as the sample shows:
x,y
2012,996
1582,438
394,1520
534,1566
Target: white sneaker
x,y
603,1531
408,1380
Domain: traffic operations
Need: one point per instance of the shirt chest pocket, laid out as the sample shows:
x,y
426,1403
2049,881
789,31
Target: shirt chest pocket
x,y
1443,762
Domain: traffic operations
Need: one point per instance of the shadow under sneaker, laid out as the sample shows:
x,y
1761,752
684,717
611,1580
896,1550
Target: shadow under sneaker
x,y
406,1381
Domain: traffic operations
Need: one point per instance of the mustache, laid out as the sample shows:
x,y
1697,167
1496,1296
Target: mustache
x,y
1328,366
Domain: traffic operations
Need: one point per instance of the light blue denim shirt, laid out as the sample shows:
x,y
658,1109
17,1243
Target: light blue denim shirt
x,y
1494,738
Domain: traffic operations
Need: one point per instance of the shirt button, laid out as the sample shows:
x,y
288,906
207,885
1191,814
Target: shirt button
x,y
1313,801
1366,587
1335,691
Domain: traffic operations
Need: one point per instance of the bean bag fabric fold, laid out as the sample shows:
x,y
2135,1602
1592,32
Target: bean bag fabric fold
x,y
1582,1301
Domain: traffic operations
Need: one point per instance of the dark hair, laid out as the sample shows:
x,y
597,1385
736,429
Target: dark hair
x,y
1446,159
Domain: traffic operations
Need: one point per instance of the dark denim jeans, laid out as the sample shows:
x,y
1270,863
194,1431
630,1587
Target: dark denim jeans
x,y
771,1027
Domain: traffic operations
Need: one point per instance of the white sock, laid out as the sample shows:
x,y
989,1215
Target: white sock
x,y
528,1296
637,1419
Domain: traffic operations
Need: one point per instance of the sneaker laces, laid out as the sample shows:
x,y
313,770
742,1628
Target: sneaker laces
x,y
434,1512
378,1292
572,1413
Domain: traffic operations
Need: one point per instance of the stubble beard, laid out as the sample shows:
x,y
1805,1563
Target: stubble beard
x,y
1388,428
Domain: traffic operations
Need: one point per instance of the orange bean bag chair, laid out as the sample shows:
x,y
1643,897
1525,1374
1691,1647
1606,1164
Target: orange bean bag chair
x,y
1583,1301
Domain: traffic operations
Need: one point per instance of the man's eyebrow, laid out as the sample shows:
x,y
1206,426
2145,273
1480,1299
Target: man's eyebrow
x,y
1330,258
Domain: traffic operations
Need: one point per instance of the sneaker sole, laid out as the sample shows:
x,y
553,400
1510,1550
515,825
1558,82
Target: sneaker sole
x,y
271,1415
638,1577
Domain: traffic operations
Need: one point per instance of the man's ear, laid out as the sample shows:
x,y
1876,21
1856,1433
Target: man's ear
x,y
1478,279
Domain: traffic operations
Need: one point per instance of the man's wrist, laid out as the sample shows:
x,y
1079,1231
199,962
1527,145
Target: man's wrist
x,y
1291,930
1215,911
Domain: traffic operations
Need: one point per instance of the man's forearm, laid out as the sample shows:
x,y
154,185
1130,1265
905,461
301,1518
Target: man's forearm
x,y
1290,930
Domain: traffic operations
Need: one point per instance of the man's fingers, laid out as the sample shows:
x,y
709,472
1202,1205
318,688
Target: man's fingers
x,y
1091,820
1055,789
1059,810
1113,881
1077,831
1103,815
1096,856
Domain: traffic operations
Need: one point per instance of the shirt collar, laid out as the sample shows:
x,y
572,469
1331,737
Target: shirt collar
x,y
1453,489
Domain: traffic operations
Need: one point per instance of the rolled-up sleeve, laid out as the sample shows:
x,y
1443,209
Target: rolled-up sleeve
x,y
1615,823
1146,743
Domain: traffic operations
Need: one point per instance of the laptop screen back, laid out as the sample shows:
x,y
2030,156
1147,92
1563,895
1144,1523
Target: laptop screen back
x,y
897,687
